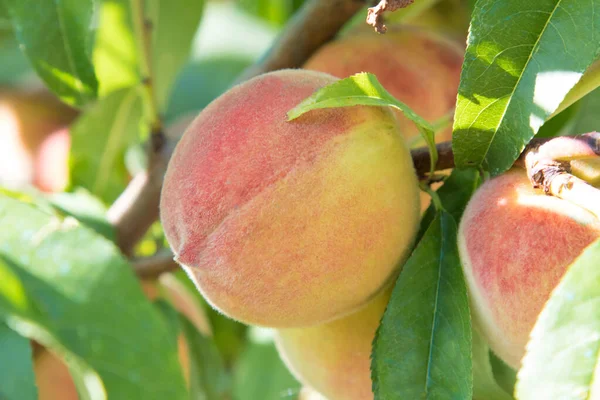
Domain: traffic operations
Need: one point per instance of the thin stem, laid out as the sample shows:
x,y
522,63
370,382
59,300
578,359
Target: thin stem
x,y
143,36
435,198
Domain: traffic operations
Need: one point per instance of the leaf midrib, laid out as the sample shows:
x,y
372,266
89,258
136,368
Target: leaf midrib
x,y
512,94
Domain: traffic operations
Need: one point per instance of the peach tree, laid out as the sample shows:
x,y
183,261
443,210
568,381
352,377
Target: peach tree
x,y
492,296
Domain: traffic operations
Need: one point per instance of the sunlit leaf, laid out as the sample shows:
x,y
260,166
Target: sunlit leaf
x,y
522,58
115,55
57,36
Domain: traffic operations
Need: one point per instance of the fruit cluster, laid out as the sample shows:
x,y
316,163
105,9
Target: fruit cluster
x,y
303,225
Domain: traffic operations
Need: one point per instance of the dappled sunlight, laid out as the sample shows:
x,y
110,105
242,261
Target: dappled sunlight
x,y
65,79
551,88
535,122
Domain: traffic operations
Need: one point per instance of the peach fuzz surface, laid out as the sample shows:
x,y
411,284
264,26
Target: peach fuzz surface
x,y
334,359
515,244
288,224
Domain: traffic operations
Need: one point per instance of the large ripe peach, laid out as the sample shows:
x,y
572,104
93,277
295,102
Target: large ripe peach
x,y
418,67
515,245
289,224
335,358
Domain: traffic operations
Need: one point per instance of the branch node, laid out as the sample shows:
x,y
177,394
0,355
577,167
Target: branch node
x,y
375,14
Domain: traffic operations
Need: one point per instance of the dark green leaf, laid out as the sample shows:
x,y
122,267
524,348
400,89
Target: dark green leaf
x,y
201,82
17,381
100,138
522,58
563,353
56,36
485,386
504,375
261,375
363,89
70,289
422,349
115,54
560,124
174,23
454,194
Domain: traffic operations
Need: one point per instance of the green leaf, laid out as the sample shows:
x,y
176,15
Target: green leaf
x,y
522,58
504,375
70,289
201,82
563,354
174,23
17,381
229,335
14,67
277,12
261,375
560,124
363,89
485,386
115,54
422,349
100,138
86,208
208,377
56,36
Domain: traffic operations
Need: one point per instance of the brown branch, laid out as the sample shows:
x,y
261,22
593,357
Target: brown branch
x,y
375,14
549,168
314,25
541,157
136,209
152,267
421,158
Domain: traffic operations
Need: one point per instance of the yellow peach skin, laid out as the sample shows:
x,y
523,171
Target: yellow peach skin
x,y
515,244
288,224
334,359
